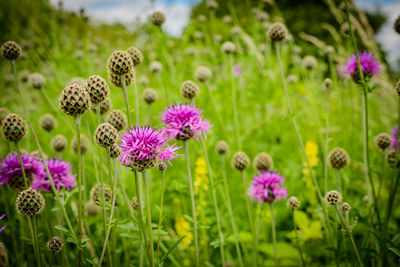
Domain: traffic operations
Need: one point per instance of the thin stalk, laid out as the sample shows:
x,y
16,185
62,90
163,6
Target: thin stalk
x,y
350,234
111,215
125,92
214,194
51,259
148,114
392,197
33,235
230,211
46,96
271,205
136,96
214,104
192,199
21,164
234,104
326,148
298,240
78,142
339,181
161,213
148,215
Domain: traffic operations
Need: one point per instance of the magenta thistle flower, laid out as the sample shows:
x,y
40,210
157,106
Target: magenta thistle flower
x,y
369,66
143,146
266,187
60,173
10,168
395,139
237,70
1,218
183,122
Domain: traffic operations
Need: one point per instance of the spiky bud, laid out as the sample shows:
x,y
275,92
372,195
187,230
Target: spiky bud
x,y
36,81
114,150
333,198
105,135
222,147
59,143
189,89
202,74
309,62
3,255
143,80
134,203
78,80
236,30
55,244
149,95
392,158
92,209
345,29
47,122
13,127
17,183
293,203
161,166
74,100
97,88
345,207
96,193
262,16
327,83
240,161
228,47
396,25
84,144
263,162
338,158
227,19
136,55
277,32
117,119
212,5
10,50
29,202
383,141
155,67
143,164
104,106
157,18
120,62
24,75
115,79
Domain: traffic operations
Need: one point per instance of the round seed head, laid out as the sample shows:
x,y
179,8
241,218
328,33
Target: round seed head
x,y
143,80
143,164
222,147
104,106
293,203
262,16
29,202
236,30
3,113
157,18
396,25
328,83
212,5
78,80
161,166
3,255
329,50
74,100
202,74
309,62
202,18
59,143
189,89
105,135
10,50
13,127
188,134
120,62
338,158
92,209
117,119
277,32
228,47
366,199
345,29
383,141
24,75
47,122
96,194
218,38
227,19
55,244
155,67
115,79
134,203
17,183
292,78
136,55
240,161
114,150
79,54
36,81
263,162
333,198
345,207
97,88
392,158
149,95
84,144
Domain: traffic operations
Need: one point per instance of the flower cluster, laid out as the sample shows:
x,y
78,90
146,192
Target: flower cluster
x,y
266,187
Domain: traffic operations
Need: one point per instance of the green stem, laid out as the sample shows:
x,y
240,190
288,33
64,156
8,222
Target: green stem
x,y
51,259
234,104
161,213
214,194
192,199
271,205
46,96
148,215
392,197
21,164
339,181
298,240
78,141
136,96
33,235
230,211
125,92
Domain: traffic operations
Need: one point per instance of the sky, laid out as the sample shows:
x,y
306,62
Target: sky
x,y
178,11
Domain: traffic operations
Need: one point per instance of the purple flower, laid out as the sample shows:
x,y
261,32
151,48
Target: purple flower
x,y
266,187
369,66
183,122
60,172
395,138
1,218
10,167
237,70
145,144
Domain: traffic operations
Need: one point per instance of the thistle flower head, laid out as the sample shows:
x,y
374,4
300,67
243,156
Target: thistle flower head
x,y
369,66
149,95
55,244
222,147
97,88
47,122
143,147
59,143
396,25
10,50
293,203
277,32
117,119
395,139
29,202
266,187
13,128
60,173
383,141
333,198
183,122
136,55
157,18
36,80
104,106
202,74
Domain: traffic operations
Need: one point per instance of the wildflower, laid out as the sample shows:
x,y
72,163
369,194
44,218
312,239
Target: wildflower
x,y
369,66
47,122
149,95
395,139
240,161
338,158
222,147
383,141
182,228
55,244
60,173
143,146
157,18
13,128
29,202
333,198
1,218
266,187
311,149
117,119
200,174
183,122
36,80
237,70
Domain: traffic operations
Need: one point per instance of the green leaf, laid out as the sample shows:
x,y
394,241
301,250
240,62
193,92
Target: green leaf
x,y
395,251
172,248
61,228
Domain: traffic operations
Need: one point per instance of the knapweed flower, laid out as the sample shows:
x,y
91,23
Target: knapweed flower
x,y
395,139
60,172
143,146
183,122
266,187
11,173
369,66
237,70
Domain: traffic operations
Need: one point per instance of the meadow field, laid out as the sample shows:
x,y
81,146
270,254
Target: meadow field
x,y
237,143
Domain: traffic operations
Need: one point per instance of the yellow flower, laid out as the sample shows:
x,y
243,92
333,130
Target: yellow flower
x,y
200,175
182,228
311,149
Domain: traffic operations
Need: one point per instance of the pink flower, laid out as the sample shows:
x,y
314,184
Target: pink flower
x,y
237,70
11,167
266,187
369,66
